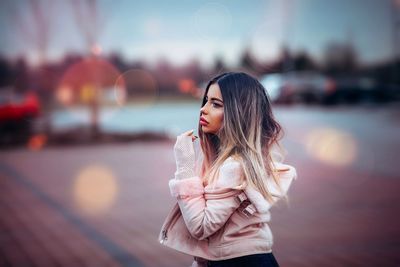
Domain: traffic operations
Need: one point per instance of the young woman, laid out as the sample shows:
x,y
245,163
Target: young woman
x,y
222,211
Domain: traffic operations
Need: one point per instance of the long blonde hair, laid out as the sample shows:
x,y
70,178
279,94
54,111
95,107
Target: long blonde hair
x,y
249,132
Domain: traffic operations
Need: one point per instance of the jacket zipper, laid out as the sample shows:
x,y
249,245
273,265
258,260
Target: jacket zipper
x,y
169,220
164,236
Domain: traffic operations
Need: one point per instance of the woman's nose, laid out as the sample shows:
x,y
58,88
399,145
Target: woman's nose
x,y
203,109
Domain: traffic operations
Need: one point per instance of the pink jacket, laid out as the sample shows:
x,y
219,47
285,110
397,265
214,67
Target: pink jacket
x,y
224,220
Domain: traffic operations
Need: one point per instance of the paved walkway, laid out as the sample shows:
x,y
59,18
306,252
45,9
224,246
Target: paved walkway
x,y
336,217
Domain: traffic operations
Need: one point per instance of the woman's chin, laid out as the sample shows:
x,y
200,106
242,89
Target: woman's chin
x,y
205,129
208,131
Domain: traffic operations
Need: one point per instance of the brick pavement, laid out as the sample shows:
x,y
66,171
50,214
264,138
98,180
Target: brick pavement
x,y
329,222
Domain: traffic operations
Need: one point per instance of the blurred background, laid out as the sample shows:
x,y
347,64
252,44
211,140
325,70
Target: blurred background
x,y
93,93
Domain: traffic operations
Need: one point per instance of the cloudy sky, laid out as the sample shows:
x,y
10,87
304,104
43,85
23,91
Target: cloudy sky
x,y
179,31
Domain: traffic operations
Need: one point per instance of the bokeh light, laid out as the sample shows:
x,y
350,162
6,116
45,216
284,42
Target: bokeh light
x,y
331,146
95,189
96,49
187,86
65,95
36,142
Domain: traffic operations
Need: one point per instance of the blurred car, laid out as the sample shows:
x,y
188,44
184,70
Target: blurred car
x,y
17,113
387,93
298,86
352,89
273,84
362,89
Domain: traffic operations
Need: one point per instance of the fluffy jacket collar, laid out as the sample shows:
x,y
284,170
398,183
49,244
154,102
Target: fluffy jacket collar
x,y
287,174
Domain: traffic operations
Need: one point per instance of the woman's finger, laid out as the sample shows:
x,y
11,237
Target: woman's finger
x,y
194,138
188,133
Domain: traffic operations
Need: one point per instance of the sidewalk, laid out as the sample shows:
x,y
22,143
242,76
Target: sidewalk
x,y
333,218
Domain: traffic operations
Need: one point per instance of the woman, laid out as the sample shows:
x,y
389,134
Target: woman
x,y
222,213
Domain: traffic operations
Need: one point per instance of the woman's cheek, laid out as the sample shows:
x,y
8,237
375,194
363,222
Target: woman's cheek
x,y
222,117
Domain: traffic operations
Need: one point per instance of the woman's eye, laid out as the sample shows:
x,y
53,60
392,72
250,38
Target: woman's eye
x,y
216,105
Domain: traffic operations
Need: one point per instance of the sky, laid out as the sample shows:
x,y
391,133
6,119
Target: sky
x,y
180,31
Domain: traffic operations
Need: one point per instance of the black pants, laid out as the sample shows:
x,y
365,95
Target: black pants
x,y
255,260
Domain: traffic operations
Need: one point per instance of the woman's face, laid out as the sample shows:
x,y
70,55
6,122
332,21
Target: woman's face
x,y
212,113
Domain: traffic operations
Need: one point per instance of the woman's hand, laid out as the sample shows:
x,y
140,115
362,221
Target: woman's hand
x,y
184,155
189,133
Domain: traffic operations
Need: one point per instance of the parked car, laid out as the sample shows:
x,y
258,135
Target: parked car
x,y
352,89
17,114
273,84
298,86
362,89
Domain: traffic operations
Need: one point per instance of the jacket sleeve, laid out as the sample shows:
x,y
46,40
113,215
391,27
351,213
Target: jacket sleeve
x,y
204,217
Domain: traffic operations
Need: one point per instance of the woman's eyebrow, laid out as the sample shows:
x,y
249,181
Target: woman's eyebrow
x,y
214,98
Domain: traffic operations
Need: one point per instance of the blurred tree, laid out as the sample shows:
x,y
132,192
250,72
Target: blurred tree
x,y
5,73
191,77
117,60
285,61
219,66
21,73
90,23
250,63
33,20
193,71
167,77
35,25
340,58
302,61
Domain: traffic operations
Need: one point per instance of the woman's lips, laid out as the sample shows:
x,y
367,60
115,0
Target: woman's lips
x,y
203,121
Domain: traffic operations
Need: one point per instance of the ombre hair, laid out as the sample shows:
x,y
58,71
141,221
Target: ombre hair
x,y
249,132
